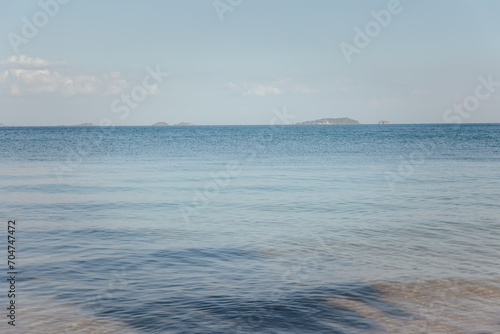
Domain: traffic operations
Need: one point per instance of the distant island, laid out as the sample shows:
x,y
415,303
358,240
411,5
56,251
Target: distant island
x,y
330,121
384,122
83,124
179,124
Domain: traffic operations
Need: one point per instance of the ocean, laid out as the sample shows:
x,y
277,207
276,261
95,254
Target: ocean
x,y
253,229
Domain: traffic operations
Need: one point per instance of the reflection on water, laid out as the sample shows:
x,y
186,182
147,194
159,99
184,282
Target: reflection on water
x,y
444,306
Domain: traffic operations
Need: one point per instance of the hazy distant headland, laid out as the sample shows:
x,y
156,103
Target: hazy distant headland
x,y
178,124
156,124
330,121
321,121
83,124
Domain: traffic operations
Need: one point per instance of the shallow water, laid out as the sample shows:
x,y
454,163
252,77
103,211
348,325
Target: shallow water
x,y
306,229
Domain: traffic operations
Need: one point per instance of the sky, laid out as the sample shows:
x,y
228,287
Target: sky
x,y
224,62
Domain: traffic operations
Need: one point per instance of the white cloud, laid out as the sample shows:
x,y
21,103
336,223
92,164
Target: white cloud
x,y
255,89
277,87
26,76
263,90
23,61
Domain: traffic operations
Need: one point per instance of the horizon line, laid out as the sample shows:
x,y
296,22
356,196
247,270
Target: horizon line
x,y
187,126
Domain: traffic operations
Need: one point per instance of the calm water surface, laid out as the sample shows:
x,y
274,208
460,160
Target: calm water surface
x,y
255,229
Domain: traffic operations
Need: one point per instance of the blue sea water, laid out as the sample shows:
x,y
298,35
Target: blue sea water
x,y
254,229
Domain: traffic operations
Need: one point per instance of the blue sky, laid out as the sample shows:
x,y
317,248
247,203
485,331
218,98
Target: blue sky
x,y
264,55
